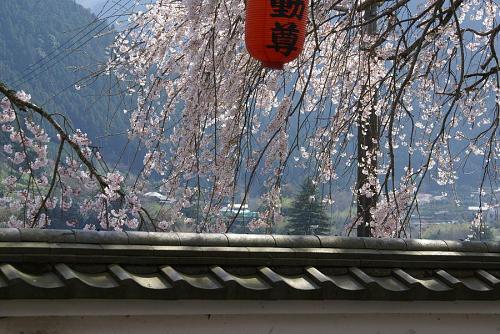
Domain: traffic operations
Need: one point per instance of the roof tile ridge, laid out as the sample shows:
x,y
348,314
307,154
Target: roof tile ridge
x,y
296,241
68,236
466,246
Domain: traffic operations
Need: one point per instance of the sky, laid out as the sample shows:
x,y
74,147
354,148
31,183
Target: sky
x,y
92,4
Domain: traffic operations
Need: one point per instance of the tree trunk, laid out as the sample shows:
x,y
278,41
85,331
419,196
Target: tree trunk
x,y
368,139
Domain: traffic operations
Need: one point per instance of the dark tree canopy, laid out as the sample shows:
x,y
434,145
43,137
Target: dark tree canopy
x,y
307,215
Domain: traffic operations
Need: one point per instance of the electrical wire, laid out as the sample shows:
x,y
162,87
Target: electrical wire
x,y
48,63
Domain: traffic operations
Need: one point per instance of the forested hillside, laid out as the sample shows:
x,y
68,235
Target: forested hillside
x,y
50,49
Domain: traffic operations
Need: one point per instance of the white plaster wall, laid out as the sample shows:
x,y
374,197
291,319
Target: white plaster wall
x,y
256,324
246,317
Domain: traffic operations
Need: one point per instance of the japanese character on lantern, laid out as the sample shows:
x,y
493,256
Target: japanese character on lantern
x,y
288,8
284,38
275,30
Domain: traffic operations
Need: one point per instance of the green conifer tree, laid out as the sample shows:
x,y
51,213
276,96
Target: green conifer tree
x,y
307,215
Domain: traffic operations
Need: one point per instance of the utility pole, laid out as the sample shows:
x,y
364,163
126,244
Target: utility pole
x,y
368,141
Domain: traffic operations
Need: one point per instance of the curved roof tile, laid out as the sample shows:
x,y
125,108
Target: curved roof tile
x,y
124,265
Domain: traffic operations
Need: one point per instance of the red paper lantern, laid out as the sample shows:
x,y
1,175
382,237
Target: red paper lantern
x,y
275,30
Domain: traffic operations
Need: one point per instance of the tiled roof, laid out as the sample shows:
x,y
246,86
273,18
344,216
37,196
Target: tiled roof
x,y
39,264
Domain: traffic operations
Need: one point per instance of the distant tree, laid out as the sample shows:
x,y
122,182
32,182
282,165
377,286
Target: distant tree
x,y
307,215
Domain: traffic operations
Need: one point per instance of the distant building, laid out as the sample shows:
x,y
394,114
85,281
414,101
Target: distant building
x,y
490,213
424,198
160,197
241,215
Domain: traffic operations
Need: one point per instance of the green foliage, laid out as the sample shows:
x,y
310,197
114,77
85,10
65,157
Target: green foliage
x,y
307,214
446,231
459,231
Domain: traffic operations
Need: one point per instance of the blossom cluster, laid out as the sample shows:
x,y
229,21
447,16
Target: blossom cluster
x,y
216,126
41,185
233,122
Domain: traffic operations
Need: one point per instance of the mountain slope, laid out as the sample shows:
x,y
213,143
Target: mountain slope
x,y
48,46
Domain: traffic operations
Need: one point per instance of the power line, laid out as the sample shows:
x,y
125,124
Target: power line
x,y
52,61
98,17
